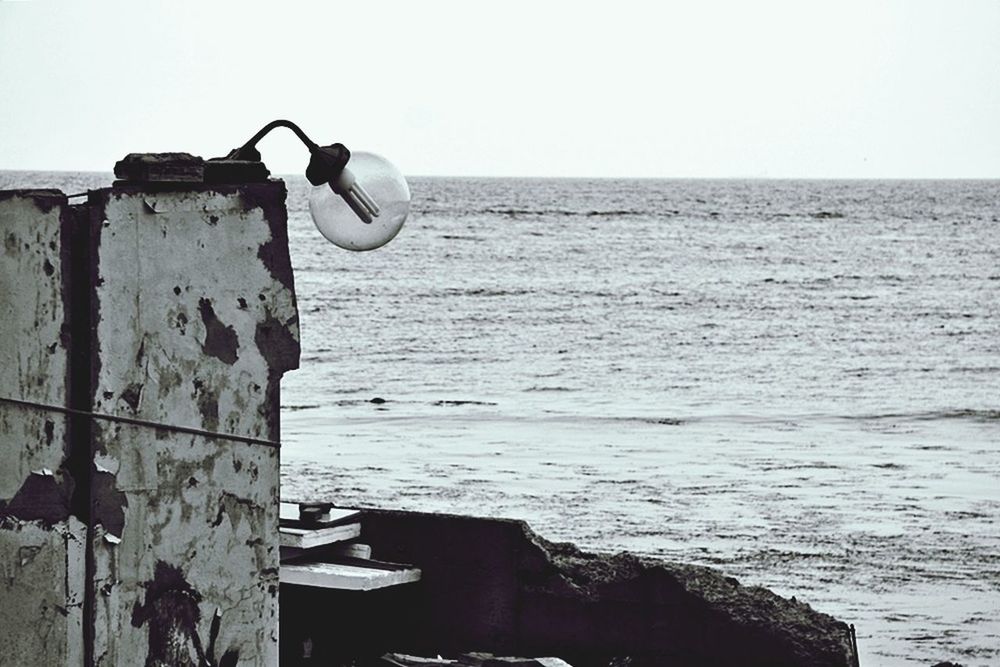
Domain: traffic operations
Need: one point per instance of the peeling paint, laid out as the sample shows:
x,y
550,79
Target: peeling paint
x,y
108,503
27,554
206,506
42,550
208,405
170,612
237,509
221,341
170,379
274,253
41,583
44,199
107,463
132,395
277,344
43,497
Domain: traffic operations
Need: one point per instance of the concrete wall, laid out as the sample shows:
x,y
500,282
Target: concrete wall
x,y
122,543
195,323
41,544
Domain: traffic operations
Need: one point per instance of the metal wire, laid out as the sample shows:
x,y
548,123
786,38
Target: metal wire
x,y
142,422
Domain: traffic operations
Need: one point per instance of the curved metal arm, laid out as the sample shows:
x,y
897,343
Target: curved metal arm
x,y
248,151
326,164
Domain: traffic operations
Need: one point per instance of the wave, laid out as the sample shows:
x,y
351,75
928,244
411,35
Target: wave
x,y
987,416
568,213
461,402
472,291
553,389
971,414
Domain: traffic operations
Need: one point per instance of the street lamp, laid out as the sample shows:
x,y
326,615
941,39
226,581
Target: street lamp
x,y
359,201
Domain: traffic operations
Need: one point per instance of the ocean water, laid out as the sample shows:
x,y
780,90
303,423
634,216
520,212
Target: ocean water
x,y
794,382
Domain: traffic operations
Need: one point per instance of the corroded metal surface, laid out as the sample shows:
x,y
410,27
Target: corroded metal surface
x,y
195,323
41,545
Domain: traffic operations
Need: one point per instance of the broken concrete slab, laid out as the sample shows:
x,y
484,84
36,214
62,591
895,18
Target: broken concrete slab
x,y
494,584
481,659
347,576
308,538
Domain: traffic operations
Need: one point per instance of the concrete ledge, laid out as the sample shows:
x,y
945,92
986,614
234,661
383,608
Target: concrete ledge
x,y
494,585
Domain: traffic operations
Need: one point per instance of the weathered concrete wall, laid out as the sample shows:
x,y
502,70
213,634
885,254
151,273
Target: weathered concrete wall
x,y
41,592
129,543
34,356
41,544
195,322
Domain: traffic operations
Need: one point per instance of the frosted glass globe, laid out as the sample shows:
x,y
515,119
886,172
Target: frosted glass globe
x,y
383,184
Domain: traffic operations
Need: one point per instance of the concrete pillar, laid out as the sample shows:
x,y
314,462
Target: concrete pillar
x,y
41,540
184,312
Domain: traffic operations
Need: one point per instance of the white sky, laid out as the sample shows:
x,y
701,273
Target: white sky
x,y
615,88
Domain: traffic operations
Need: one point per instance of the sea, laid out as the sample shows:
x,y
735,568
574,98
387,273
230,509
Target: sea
x,y
795,382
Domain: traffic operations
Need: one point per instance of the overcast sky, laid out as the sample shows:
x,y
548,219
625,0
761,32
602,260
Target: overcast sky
x,y
771,89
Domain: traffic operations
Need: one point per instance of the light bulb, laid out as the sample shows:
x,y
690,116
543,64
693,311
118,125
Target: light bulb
x,y
365,208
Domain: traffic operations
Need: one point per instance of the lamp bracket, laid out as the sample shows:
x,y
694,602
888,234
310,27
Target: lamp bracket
x,y
325,163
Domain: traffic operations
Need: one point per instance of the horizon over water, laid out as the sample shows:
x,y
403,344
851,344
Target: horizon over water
x,y
792,381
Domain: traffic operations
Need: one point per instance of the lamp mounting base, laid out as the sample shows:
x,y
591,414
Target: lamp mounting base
x,y
180,168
